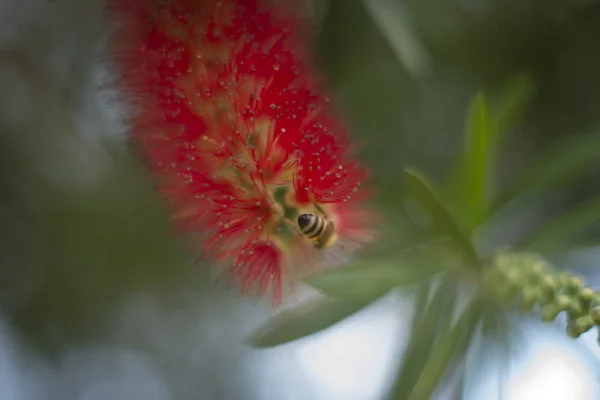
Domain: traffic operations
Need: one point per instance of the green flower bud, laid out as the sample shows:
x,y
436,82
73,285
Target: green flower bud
x,y
576,309
586,295
514,277
595,314
573,284
563,302
596,300
548,287
528,298
580,326
563,279
566,303
537,270
549,312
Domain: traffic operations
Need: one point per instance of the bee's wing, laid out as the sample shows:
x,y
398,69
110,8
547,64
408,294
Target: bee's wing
x,y
341,252
312,259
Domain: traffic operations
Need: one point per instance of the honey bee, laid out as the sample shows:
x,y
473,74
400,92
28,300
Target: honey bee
x,y
317,229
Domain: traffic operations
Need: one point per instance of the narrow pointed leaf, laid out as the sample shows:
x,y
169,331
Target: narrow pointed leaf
x,y
435,316
513,99
422,191
371,278
307,319
476,162
451,344
563,228
364,280
317,10
553,167
389,18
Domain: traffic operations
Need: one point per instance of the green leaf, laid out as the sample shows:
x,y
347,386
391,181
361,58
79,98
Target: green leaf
x,y
451,344
307,319
560,162
390,19
365,280
513,98
430,318
564,227
420,307
476,162
317,10
422,191
486,121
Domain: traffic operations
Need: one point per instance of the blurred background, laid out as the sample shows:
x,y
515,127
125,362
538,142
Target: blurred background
x,y
98,300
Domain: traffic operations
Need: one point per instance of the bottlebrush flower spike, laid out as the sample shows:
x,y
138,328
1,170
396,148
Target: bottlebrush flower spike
x,y
233,122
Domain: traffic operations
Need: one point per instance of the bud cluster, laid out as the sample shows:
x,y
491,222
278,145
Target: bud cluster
x,y
529,280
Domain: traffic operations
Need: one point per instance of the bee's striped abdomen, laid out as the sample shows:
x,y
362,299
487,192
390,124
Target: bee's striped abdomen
x,y
311,225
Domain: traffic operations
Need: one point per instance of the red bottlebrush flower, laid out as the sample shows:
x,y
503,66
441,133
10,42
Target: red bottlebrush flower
x,y
232,120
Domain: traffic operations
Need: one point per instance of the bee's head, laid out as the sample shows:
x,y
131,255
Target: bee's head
x,y
304,219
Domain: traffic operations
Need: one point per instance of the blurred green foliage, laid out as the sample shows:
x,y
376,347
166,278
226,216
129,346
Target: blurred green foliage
x,y
84,249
